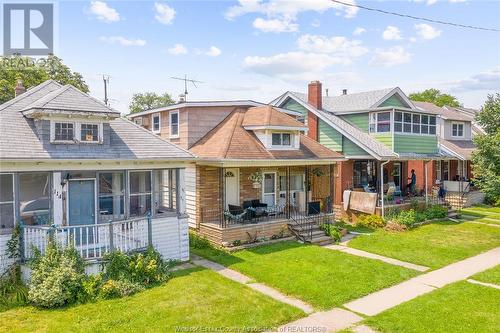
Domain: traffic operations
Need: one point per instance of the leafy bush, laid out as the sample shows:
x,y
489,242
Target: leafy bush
x,y
406,218
436,212
119,288
371,221
144,268
91,287
197,242
56,277
332,230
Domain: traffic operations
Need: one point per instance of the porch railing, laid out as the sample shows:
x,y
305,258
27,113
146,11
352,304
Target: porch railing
x,y
91,241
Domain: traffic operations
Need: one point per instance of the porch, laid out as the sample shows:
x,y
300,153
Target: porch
x,y
243,204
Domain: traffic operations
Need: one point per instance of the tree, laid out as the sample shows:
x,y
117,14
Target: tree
x,y
33,72
436,97
148,101
486,159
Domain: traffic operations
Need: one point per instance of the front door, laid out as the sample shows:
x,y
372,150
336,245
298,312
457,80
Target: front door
x,y
269,189
81,202
397,175
232,188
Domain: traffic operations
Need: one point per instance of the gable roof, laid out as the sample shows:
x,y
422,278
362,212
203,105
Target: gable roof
x,y
22,139
460,148
445,113
356,102
231,141
68,98
360,138
266,116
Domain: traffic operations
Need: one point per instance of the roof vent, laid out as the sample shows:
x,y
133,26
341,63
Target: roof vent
x,y
344,91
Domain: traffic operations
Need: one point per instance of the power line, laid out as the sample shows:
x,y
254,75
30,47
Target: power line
x,y
415,17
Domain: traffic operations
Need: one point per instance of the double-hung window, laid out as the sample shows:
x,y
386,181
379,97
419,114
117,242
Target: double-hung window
x,y
64,131
6,201
155,123
281,139
380,122
89,132
174,124
457,130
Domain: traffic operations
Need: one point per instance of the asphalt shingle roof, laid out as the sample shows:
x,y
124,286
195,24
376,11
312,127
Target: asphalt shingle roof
x,y
21,139
446,113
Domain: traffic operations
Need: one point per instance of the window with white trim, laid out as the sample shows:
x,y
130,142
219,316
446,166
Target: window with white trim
x,y
380,122
64,131
140,193
89,132
6,201
457,130
281,139
155,123
414,123
174,124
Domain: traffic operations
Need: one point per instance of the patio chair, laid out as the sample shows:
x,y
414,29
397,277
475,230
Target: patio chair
x,y
236,213
397,192
389,196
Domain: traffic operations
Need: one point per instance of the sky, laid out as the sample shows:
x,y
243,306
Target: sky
x,y
260,49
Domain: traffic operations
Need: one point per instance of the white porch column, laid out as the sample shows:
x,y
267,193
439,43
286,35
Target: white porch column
x,y
425,183
57,198
181,188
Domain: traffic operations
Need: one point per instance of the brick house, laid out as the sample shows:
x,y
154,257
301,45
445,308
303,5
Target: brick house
x,y
256,170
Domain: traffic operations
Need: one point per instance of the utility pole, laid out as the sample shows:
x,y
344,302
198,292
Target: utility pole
x,y
105,79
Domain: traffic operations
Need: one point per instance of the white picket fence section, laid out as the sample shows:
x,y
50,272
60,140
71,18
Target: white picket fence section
x,y
91,241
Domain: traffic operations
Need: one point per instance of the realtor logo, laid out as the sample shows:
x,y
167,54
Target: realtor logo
x,y
28,29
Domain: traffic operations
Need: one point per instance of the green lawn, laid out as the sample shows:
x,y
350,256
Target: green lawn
x,y
483,211
195,297
492,275
433,245
458,307
323,278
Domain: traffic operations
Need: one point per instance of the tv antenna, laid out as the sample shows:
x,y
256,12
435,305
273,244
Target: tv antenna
x,y
186,80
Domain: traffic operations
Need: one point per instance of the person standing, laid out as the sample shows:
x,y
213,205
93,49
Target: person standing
x,y
413,182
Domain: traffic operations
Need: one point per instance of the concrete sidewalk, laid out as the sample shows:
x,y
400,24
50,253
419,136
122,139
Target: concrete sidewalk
x,y
382,300
370,255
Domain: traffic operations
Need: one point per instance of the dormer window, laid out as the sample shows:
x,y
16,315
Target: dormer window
x,y
89,132
457,130
75,132
64,132
281,139
156,123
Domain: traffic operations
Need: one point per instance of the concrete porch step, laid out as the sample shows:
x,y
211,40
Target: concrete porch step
x,y
322,240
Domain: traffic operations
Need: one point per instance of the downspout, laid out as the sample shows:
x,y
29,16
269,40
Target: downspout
x,y
382,186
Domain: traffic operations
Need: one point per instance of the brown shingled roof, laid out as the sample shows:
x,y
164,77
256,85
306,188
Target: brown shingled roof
x,y
444,112
267,116
230,140
462,147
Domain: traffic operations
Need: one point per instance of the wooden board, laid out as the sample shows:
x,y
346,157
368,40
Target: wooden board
x,y
363,202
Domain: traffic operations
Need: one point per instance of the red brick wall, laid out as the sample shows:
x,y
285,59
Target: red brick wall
x,y
343,180
315,98
312,124
419,167
208,195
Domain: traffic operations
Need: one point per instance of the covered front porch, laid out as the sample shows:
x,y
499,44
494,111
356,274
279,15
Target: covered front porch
x,y
246,203
96,211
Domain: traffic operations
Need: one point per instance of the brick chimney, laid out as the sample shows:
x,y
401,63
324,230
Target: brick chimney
x,y
314,94
19,89
315,98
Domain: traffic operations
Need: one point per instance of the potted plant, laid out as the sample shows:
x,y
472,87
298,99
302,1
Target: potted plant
x,y
256,179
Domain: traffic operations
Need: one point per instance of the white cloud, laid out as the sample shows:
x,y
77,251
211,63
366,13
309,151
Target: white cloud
x,y
164,13
489,80
103,12
432,2
213,52
316,23
359,31
287,11
275,25
292,64
390,57
178,49
122,41
391,33
339,45
427,31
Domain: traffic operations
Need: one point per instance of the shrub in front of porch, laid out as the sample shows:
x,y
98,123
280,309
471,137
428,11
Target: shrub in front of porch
x,y
371,221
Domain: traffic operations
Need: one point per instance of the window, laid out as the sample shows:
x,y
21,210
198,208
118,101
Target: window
x,y
364,173
406,122
89,132
281,139
64,132
165,191
6,201
34,198
111,196
446,170
457,130
140,193
156,123
174,124
383,122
